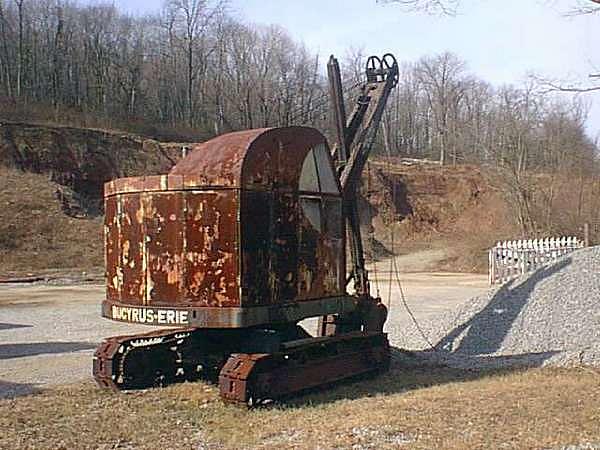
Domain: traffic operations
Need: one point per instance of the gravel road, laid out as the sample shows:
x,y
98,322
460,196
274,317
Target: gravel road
x,y
48,333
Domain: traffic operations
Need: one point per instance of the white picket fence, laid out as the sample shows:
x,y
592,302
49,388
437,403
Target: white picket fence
x,y
509,259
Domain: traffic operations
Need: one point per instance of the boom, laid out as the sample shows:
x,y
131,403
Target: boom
x,y
354,142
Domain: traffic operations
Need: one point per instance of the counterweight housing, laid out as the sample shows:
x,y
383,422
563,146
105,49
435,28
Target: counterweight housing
x,y
247,230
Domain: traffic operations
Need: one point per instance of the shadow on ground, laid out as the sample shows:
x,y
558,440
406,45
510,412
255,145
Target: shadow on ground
x,y
464,354
10,390
486,330
11,326
416,370
408,371
8,351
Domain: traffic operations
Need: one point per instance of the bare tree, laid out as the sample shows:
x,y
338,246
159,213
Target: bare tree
x,y
548,85
445,7
5,74
20,59
449,7
442,82
584,7
192,19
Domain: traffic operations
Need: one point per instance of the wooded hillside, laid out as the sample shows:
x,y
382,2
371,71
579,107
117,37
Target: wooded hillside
x,y
194,71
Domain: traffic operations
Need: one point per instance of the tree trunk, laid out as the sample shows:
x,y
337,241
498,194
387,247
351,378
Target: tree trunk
x,y
20,48
190,82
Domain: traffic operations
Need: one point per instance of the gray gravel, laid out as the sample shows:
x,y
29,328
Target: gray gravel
x,y
48,335
548,317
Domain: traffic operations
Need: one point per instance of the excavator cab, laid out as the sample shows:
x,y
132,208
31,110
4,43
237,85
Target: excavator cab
x,y
246,230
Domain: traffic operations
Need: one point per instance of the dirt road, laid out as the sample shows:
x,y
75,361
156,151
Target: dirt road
x,y
48,333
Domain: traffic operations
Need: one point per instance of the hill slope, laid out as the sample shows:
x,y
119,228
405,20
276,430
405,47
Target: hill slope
x,y
454,210
51,183
52,178
82,158
35,232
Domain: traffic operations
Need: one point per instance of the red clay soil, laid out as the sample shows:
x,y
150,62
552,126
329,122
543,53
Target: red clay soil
x,y
426,206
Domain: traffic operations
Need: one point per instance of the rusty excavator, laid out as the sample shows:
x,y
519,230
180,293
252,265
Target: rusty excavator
x,y
245,237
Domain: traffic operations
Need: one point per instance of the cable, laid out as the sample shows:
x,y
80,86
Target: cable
x,y
389,301
394,264
410,313
371,237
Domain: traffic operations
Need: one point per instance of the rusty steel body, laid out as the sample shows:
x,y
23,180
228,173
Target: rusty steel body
x,y
223,235
242,239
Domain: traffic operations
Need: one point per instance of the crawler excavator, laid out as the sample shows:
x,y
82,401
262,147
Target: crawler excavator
x,y
245,237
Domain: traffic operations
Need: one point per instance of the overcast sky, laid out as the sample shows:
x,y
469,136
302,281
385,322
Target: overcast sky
x,y
502,41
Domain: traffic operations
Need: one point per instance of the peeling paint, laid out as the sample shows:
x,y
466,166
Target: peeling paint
x,y
225,228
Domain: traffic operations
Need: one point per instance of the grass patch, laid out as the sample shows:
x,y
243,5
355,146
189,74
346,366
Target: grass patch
x,y
416,408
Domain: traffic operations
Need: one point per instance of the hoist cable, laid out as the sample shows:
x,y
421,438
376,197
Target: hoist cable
x,y
371,237
394,270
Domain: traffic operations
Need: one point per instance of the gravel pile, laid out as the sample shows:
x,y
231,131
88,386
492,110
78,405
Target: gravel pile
x,y
548,317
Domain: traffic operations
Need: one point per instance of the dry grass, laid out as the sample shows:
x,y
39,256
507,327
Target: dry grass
x,y
417,408
35,233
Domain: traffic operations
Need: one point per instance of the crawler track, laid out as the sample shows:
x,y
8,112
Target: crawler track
x,y
170,356
157,359
252,379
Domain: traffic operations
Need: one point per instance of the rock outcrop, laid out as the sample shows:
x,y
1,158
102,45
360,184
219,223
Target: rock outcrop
x,y
82,159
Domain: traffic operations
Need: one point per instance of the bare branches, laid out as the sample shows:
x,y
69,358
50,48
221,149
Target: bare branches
x,y
584,7
450,7
547,86
194,68
441,7
442,79
579,90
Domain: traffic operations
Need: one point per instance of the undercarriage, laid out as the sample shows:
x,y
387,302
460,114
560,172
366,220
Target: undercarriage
x,y
251,366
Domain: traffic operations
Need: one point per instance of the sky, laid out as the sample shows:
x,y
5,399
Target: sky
x,y
502,42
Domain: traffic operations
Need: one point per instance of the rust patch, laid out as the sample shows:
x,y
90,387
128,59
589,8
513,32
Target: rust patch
x,y
283,251
210,256
129,185
218,162
112,248
155,183
131,249
164,224
274,160
109,189
255,237
175,182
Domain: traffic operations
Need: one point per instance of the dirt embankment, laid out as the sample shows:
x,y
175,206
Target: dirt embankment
x,y
35,232
82,159
454,211
51,182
